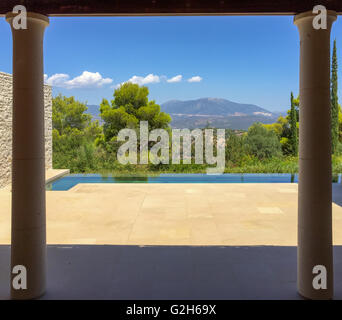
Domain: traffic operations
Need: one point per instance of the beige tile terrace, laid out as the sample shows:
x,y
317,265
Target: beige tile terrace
x,y
173,214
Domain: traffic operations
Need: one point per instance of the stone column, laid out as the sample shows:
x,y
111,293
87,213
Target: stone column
x,y
28,245
314,189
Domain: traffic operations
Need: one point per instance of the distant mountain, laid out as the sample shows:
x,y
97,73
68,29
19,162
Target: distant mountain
x,y
94,111
212,107
219,113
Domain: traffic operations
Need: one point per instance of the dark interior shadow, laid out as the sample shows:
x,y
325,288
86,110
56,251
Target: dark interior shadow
x,y
170,272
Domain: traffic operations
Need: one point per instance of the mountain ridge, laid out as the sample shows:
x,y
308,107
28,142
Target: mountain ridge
x,y
211,106
215,112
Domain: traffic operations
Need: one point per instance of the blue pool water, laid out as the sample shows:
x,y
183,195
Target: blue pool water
x,y
69,181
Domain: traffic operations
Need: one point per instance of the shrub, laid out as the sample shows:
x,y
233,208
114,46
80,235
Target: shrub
x,y
262,143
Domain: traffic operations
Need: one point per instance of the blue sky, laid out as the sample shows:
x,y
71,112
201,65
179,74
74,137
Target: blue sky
x,y
243,59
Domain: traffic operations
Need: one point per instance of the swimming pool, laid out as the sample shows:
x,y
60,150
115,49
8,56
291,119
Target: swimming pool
x,y
69,181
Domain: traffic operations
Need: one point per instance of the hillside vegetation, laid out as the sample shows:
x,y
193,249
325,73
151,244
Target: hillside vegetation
x,y
86,146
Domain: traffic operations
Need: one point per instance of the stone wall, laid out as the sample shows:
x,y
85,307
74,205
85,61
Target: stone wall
x,y
6,127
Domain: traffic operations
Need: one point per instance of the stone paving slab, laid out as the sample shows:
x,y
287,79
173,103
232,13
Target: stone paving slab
x,y
173,214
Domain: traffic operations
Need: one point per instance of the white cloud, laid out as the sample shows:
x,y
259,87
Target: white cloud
x,y
56,80
150,78
88,79
175,79
85,80
153,78
195,79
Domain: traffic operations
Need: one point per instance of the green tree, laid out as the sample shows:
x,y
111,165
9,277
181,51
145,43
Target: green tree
x,y
130,106
334,102
73,135
235,149
286,128
68,113
293,127
282,129
262,143
296,104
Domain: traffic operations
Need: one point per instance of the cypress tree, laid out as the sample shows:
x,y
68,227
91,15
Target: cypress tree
x,y
293,127
334,101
